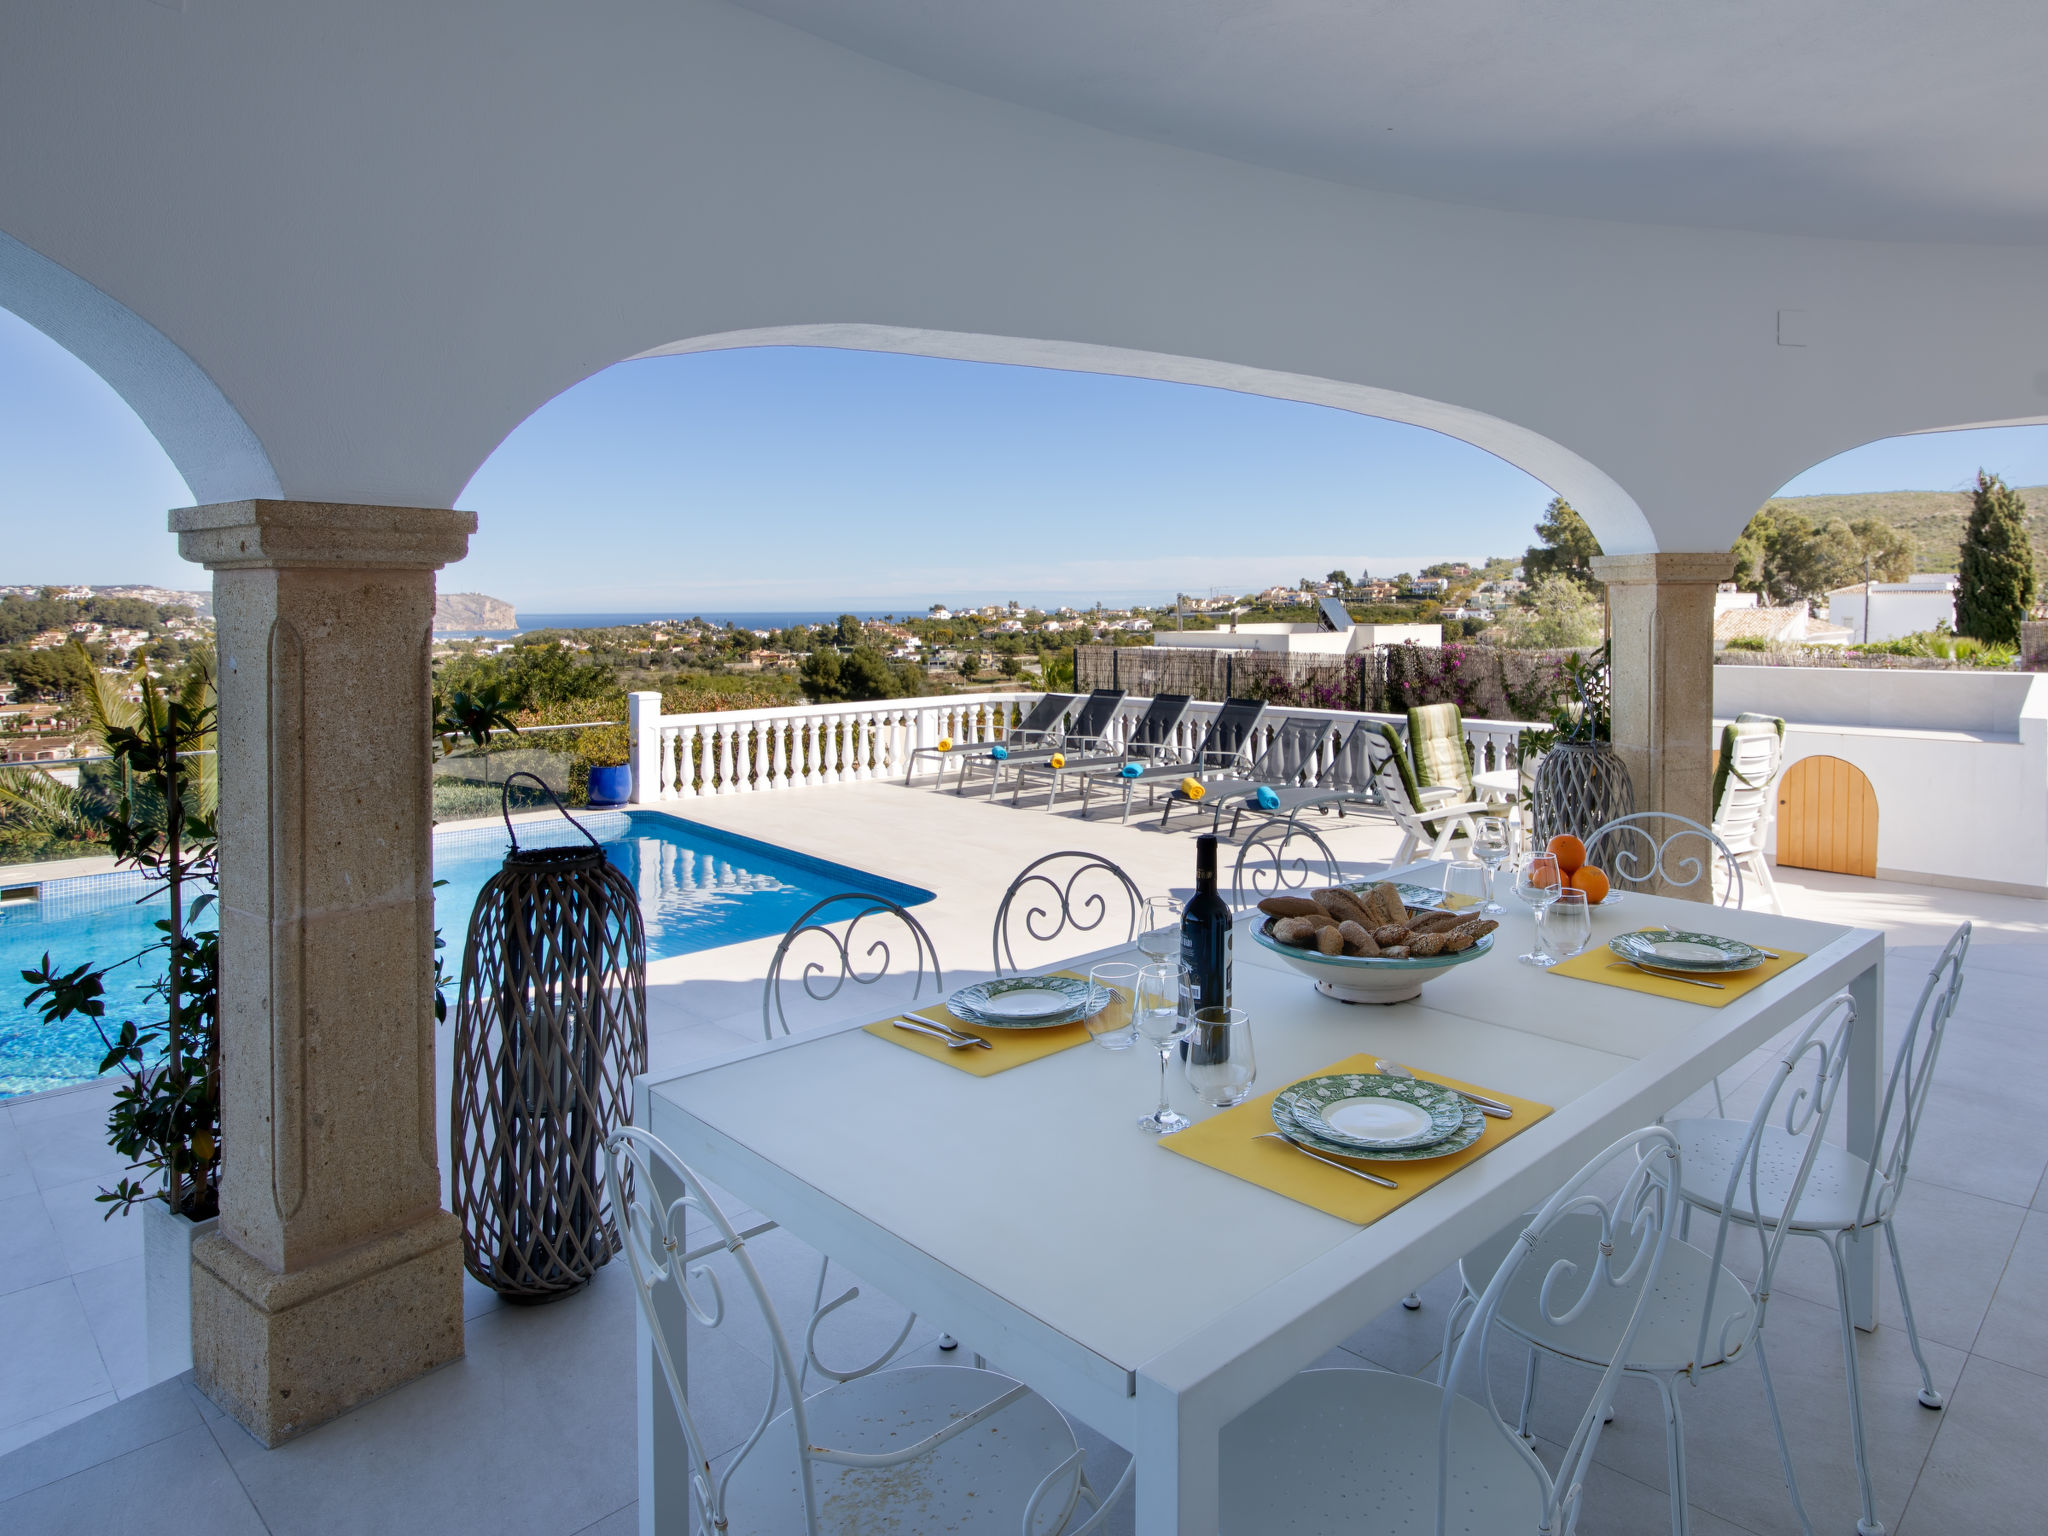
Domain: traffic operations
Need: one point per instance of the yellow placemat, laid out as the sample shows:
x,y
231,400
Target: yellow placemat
x,y
1231,1141
1010,1047
1603,965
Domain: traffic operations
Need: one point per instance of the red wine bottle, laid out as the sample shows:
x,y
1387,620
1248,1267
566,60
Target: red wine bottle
x,y
1205,932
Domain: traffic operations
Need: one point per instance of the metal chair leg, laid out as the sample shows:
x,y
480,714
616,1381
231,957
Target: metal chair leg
x,y
1674,1457
1929,1398
1869,1525
1719,1108
1763,1366
1459,1308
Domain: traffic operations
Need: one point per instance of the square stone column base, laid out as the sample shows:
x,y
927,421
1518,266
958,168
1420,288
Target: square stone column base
x,y
285,1352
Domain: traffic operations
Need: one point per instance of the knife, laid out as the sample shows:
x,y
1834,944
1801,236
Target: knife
x,y
939,1032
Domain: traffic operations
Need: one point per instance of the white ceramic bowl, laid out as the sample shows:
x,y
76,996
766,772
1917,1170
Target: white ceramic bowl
x,y
1363,978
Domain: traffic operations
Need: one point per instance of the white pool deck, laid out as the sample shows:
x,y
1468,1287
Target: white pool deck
x,y
533,1430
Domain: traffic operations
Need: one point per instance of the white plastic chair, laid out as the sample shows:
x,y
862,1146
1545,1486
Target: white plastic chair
x,y
1845,1196
1360,1450
1701,1316
1429,815
1752,753
823,1464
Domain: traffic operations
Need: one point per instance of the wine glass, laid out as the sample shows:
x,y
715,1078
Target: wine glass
x,y
1219,1065
1163,1018
1492,847
1463,877
1566,924
1112,1026
1537,883
1159,928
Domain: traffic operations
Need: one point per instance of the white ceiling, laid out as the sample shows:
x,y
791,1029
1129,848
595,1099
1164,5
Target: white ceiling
x,y
1893,120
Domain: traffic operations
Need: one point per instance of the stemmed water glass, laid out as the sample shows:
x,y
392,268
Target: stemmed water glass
x,y
1112,1026
1462,877
1219,1065
1566,924
1537,883
1163,1018
1159,929
1492,847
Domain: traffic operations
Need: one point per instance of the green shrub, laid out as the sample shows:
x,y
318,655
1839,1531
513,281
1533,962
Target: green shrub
x,y
1748,643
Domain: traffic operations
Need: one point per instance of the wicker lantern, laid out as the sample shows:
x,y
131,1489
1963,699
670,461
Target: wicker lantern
x,y
550,1030
1581,783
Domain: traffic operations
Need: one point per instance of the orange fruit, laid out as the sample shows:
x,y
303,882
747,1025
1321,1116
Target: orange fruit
x,y
1592,882
1569,852
1543,871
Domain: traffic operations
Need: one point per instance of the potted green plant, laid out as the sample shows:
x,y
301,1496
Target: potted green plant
x,y
166,1114
608,751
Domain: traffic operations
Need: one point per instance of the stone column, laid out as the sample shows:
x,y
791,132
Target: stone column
x,y
1661,611
335,1274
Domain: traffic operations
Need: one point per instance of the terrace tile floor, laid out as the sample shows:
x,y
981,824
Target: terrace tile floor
x,y
533,1430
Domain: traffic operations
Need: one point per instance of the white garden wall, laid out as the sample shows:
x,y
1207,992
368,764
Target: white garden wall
x,y
1958,762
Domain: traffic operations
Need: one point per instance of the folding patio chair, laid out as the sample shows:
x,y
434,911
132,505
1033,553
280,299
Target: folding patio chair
x,y
1034,729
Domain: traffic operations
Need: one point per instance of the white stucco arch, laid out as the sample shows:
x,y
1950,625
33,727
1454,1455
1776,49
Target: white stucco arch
x,y
1608,509
197,426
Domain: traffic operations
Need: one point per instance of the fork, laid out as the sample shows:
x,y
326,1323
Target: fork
x,y
952,1037
1356,1173
1630,965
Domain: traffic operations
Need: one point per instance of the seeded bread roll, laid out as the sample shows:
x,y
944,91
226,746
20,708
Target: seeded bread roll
x,y
1294,930
1288,906
1343,906
1460,939
1357,941
1436,922
1330,940
1425,944
1389,933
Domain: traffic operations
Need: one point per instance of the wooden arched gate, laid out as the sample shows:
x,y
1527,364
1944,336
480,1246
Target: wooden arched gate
x,y
1827,817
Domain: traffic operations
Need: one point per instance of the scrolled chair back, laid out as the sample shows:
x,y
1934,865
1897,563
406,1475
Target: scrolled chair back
x,y
1770,1170
653,1191
1663,852
833,959
1905,1094
1281,856
1593,1244
1079,897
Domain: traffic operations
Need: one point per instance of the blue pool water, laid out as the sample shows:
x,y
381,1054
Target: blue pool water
x,y
699,888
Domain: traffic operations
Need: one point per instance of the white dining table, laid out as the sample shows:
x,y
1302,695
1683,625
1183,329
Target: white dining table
x,y
1156,1298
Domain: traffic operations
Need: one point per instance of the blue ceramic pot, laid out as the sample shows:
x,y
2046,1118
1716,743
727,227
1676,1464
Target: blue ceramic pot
x,y
611,786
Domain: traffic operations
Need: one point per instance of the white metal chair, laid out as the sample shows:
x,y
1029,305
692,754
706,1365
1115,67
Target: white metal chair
x,y
824,1465
1745,794
1353,1450
1845,1196
1061,893
1281,856
1701,1315
1668,854
829,958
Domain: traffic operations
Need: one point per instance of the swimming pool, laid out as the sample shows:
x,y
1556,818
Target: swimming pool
x,y
699,888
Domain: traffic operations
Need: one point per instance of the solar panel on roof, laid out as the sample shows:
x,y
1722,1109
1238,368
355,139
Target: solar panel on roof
x,y
1335,616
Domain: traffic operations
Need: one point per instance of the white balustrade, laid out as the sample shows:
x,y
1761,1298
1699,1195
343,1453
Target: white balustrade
x,y
749,751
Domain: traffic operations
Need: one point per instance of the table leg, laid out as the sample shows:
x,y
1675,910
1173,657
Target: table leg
x,y
664,1456
1865,1084
1177,1453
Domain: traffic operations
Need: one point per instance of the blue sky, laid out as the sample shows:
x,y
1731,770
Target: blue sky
x,y
792,478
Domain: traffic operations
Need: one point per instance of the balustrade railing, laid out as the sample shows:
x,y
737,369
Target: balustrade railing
x,y
752,751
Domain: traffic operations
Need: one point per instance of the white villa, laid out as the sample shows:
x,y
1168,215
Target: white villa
x,y
1661,258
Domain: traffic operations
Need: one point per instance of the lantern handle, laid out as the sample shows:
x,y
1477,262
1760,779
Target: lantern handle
x,y
505,799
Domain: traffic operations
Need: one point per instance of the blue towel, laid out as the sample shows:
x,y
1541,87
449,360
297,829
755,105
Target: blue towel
x,y
998,752
1132,770
1268,800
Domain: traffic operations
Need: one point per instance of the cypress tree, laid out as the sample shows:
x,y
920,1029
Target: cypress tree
x,y
1997,586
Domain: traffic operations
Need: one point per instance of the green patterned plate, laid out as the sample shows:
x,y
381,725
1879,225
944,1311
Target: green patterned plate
x,y
1473,1128
1027,1002
1371,1112
1673,949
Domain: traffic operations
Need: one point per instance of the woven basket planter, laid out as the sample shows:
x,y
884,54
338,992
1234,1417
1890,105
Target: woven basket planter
x,y
1580,787
550,1029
